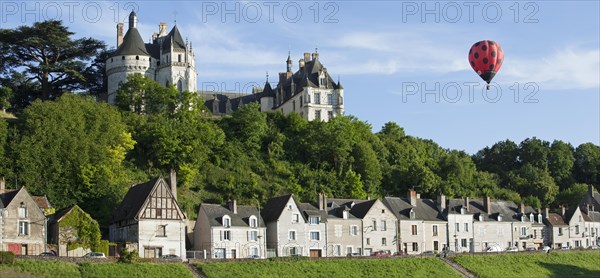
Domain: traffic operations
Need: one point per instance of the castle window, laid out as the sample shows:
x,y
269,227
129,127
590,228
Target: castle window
x,y
111,59
317,115
317,98
329,99
179,58
137,57
179,86
122,57
294,105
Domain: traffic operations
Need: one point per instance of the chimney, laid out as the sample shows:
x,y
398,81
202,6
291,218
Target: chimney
x,y
173,183
320,201
412,196
232,204
2,185
368,198
162,29
119,34
306,57
301,64
562,210
546,212
467,205
441,201
324,201
522,208
487,204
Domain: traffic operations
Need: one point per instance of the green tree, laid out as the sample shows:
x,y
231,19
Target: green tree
x,y
533,181
560,163
534,151
572,195
72,150
6,95
47,53
587,164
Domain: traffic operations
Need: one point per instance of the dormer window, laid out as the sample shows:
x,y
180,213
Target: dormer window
x,y
480,217
314,220
226,221
463,210
253,221
531,217
522,218
412,214
539,218
345,214
499,217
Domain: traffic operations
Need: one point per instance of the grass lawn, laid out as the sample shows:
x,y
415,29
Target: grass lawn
x,y
32,268
555,264
134,270
407,267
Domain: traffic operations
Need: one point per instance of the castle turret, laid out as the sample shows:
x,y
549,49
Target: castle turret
x,y
132,20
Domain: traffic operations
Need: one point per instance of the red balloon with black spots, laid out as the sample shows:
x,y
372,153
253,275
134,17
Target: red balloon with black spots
x,y
486,58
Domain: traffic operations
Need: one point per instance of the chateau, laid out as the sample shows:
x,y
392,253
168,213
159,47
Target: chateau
x,y
309,91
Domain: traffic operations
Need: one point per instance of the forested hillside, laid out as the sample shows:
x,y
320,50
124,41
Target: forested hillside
x,y
79,151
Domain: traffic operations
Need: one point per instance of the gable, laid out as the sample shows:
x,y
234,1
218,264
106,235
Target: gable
x,y
22,196
161,204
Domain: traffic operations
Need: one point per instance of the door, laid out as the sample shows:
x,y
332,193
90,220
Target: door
x,y
436,246
233,254
24,249
315,253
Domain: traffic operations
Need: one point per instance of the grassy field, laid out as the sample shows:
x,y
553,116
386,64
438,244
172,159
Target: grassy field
x,y
33,268
555,264
409,267
134,270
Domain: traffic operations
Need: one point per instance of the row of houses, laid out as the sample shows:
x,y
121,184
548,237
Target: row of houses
x,y
150,221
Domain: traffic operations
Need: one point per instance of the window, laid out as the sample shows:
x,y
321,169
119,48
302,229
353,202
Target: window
x,y
314,236
226,221
292,235
383,225
531,218
158,213
314,220
179,58
368,241
383,241
253,221
137,57
252,235
307,98
534,233
329,114
345,214
22,212
295,218
329,98
337,250
220,253
254,251
161,231
23,228
337,229
225,235
577,229
293,251
353,230
457,227
466,227
374,224
293,105
317,98
560,231
317,115
414,229
463,242
412,214
322,81
415,246
122,57
301,102
435,230
523,231
349,250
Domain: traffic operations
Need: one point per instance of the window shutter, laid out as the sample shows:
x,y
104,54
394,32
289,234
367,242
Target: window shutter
x,y
248,235
221,235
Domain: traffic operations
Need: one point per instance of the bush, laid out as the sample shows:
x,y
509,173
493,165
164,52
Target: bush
x,y
128,257
7,257
102,247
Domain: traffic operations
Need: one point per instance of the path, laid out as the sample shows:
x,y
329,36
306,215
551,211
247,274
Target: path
x,y
461,270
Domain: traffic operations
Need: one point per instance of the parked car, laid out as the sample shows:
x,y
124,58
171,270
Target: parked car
x,y
530,249
97,255
170,257
428,254
564,248
254,257
48,254
494,248
594,247
512,249
382,253
355,254
545,248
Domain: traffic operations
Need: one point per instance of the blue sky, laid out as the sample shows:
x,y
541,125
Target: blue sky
x,y
399,61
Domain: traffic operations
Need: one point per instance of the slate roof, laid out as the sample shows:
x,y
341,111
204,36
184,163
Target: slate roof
x,y
274,207
594,216
215,215
337,212
308,209
226,103
358,208
134,200
177,39
7,197
554,219
426,209
133,44
56,217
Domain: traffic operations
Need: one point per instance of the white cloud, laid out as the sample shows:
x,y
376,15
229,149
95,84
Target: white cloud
x,y
565,69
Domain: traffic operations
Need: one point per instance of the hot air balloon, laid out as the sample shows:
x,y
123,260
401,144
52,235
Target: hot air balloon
x,y
486,58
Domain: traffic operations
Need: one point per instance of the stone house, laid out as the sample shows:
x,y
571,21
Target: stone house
x,y
63,230
23,225
344,236
149,220
230,231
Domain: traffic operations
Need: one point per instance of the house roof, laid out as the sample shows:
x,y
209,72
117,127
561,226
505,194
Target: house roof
x,y
593,216
41,201
274,207
176,38
358,208
308,209
133,44
226,103
7,197
555,219
215,215
134,200
426,209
